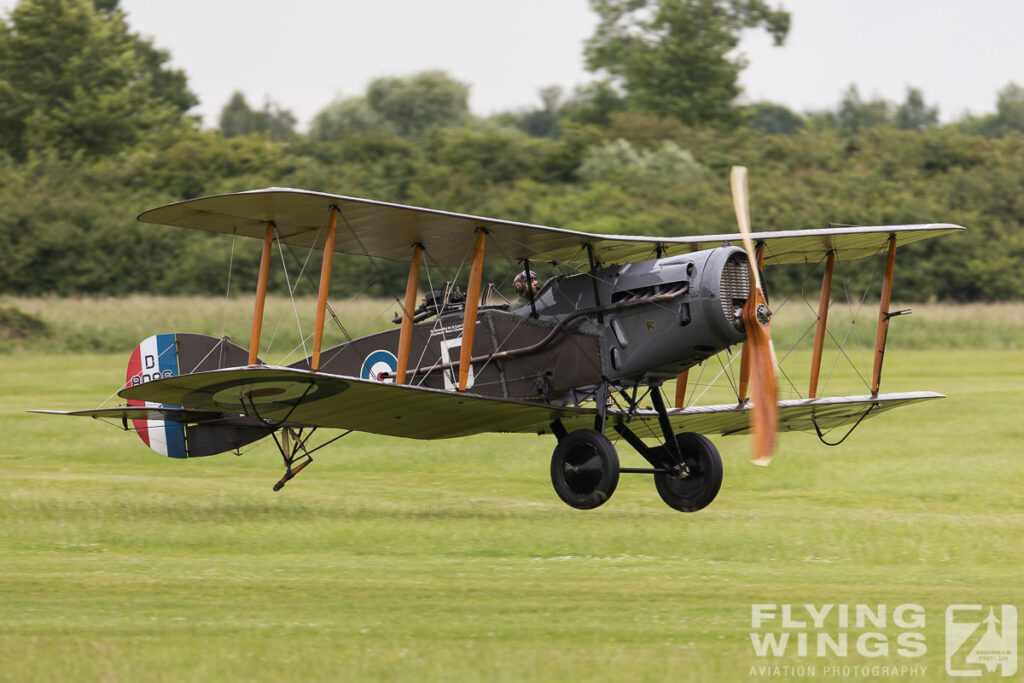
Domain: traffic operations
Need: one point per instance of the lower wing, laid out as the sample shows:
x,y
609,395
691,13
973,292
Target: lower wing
x,y
288,396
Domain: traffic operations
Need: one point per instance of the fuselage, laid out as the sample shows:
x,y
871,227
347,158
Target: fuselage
x,y
629,324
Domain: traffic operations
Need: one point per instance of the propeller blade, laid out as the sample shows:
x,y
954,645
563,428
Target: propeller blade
x,y
741,205
764,417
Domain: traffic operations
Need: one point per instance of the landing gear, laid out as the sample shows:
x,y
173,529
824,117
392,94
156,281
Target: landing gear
x,y
585,469
692,485
295,455
293,442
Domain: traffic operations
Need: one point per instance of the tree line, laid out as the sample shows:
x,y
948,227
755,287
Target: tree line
x,y
94,128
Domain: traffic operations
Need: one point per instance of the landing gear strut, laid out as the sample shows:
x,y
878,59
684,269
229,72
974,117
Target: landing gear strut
x,y
295,455
687,467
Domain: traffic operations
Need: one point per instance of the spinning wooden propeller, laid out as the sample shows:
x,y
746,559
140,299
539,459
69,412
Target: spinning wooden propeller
x,y
764,418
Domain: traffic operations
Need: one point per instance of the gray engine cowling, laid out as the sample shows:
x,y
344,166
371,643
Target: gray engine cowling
x,y
699,298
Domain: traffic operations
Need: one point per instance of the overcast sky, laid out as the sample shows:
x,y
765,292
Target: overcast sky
x,y
304,53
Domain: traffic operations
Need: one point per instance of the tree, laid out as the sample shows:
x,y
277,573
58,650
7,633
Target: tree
x,y
107,7
675,57
913,114
238,118
1009,115
407,107
619,163
73,78
594,103
855,114
346,117
1009,111
774,119
543,122
413,105
168,84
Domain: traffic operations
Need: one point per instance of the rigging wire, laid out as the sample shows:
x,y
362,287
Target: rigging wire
x,y
852,329
870,264
227,295
380,273
710,384
821,436
291,291
807,272
696,383
439,326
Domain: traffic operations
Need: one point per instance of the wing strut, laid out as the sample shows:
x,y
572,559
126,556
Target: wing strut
x,y
476,273
883,316
325,285
405,336
681,380
683,377
821,325
261,294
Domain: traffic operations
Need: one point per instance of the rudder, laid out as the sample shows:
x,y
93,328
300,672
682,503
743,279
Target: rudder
x,y
174,354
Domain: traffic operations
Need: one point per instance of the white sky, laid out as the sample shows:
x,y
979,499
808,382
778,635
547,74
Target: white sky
x,y
303,53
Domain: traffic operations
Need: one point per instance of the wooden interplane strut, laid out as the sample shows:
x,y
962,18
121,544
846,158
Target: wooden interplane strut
x,y
325,285
405,336
883,316
681,379
476,273
822,325
261,294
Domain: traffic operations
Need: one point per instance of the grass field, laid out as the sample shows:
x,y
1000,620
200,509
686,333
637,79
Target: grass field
x,y
96,324
390,559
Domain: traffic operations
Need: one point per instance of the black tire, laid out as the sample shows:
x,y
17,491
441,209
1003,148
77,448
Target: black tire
x,y
700,488
585,469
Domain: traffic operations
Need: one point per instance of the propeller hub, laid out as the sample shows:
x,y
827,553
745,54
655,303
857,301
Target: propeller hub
x,y
764,314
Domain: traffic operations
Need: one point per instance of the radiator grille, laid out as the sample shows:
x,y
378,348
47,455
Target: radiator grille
x,y
735,288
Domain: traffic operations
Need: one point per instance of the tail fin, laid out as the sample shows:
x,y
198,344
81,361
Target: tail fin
x,y
170,355
153,358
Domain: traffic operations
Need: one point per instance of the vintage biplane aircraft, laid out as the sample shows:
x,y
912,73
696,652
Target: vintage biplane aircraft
x,y
579,360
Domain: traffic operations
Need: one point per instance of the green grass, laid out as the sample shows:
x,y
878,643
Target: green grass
x,y
98,324
390,559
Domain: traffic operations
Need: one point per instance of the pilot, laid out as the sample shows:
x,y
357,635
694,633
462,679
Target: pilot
x,y
524,283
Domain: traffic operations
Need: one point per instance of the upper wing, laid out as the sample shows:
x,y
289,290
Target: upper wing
x,y
316,399
385,230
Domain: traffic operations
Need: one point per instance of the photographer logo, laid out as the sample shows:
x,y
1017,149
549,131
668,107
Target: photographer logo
x,y
978,643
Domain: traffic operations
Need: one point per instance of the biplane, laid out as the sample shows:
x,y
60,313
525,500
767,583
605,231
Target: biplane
x,y
584,358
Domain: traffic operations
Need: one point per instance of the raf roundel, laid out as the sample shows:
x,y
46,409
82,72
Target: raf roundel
x,y
380,366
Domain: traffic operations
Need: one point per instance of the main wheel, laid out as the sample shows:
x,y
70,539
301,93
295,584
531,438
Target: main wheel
x,y
701,486
585,469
